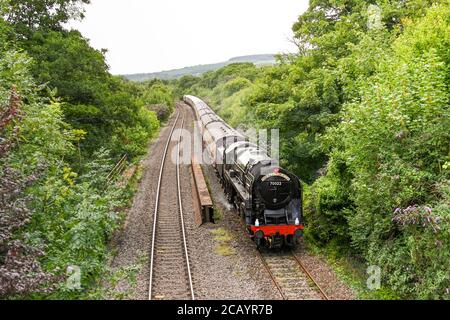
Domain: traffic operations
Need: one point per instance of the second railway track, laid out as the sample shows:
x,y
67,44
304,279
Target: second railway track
x,y
170,272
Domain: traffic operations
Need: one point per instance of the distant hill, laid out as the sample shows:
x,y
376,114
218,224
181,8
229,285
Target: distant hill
x,y
258,59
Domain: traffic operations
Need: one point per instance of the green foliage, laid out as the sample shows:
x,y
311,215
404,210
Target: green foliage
x,y
28,16
69,213
392,144
328,204
158,97
304,94
112,112
55,53
232,107
75,218
301,105
184,85
76,120
211,80
230,87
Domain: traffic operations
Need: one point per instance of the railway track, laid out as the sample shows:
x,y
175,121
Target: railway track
x,y
291,278
170,272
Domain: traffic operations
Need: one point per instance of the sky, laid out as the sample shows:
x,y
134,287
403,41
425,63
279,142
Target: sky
x,y
150,35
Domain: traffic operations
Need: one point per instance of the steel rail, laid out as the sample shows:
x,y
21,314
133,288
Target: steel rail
x,y
272,276
155,213
324,295
302,267
191,286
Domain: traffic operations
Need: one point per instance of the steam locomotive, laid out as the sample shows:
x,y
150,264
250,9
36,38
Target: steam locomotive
x,y
266,196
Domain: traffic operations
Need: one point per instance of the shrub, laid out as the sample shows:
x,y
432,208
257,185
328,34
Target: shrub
x,y
392,144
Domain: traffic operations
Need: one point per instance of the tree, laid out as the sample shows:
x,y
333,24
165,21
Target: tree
x,y
66,61
28,16
20,270
386,183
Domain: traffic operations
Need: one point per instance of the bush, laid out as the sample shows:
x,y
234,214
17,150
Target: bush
x,y
68,123
392,151
52,217
159,98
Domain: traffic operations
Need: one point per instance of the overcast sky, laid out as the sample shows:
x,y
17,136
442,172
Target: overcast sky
x,y
151,35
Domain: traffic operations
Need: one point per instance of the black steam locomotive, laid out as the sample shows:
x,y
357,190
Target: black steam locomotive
x,y
267,197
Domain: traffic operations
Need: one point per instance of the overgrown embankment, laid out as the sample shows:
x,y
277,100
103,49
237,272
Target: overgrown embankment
x,y
64,123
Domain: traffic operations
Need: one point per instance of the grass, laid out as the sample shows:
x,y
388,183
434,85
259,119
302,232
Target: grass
x,y
221,235
224,250
106,288
218,214
223,238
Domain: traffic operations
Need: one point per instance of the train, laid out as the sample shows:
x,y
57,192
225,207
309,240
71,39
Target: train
x,y
267,197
